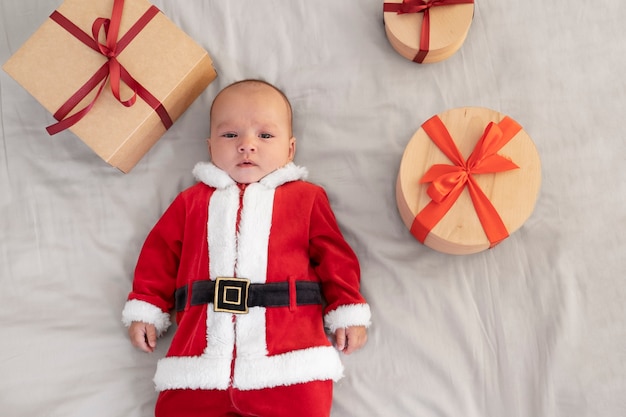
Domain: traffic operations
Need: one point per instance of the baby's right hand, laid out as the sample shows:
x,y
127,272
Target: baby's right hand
x,y
143,336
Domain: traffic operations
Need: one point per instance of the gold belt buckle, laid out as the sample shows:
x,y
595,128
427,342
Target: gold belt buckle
x,y
231,295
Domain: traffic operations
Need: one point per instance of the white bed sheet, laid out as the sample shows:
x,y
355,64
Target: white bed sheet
x,y
533,327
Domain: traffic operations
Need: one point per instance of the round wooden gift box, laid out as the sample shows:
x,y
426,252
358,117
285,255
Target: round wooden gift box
x,y
426,31
470,200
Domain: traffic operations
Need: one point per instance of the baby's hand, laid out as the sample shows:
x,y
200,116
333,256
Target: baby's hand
x,y
143,336
351,338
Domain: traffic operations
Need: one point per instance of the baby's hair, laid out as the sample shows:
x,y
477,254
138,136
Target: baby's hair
x,y
255,81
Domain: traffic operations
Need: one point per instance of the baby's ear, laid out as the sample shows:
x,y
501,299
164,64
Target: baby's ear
x,y
208,144
292,148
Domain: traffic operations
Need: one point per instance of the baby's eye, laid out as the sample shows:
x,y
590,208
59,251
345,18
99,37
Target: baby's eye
x,y
229,135
266,136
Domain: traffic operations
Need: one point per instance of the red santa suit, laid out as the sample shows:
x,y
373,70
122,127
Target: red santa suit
x,y
278,230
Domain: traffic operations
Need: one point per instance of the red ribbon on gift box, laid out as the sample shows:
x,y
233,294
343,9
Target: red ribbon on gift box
x,y
112,69
421,6
448,181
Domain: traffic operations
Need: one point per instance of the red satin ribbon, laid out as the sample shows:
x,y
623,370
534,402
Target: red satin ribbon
x,y
448,181
421,6
112,69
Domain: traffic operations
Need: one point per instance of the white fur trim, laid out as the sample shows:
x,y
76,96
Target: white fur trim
x,y
348,315
298,366
193,372
290,172
221,335
254,232
222,226
251,372
251,335
137,310
213,176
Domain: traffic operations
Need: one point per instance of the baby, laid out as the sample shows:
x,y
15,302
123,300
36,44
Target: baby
x,y
253,262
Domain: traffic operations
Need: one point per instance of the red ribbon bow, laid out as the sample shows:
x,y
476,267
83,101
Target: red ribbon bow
x,y
421,6
112,69
448,181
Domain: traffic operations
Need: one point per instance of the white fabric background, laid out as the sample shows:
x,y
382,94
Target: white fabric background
x,y
533,327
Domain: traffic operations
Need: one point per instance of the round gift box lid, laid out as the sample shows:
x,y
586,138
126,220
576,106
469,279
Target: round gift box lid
x,y
449,25
512,192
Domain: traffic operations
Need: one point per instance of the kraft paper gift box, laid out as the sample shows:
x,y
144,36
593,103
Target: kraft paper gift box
x,y
427,31
64,67
469,177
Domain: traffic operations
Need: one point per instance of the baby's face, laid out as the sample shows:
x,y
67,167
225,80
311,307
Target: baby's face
x,y
250,132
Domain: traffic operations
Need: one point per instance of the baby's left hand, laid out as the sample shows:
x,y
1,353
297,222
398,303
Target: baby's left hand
x,y
351,338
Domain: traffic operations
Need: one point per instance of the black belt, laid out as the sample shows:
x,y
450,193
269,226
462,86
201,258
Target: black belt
x,y
235,295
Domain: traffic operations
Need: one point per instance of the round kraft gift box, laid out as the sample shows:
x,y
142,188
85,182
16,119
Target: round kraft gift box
x,y
427,31
469,177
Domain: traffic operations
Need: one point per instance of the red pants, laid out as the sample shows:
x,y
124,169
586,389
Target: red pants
x,y
311,399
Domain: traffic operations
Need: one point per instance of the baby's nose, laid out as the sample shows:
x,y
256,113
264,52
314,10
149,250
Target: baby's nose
x,y
247,145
